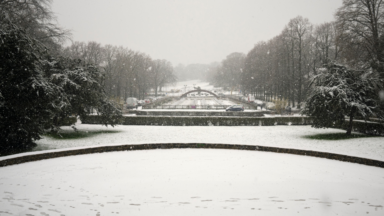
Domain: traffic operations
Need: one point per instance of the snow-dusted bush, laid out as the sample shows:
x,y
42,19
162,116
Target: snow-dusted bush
x,y
81,84
280,105
270,105
338,92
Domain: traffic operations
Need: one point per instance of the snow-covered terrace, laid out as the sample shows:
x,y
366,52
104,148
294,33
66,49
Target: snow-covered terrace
x,y
196,181
275,136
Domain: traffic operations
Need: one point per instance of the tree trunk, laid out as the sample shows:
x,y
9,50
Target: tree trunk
x,y
293,76
350,124
300,75
289,97
156,90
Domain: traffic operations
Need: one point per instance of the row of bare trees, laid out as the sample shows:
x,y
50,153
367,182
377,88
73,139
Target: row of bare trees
x,y
127,73
282,67
227,73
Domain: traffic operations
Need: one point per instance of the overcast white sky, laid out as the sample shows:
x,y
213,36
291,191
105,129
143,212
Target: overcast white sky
x,y
186,31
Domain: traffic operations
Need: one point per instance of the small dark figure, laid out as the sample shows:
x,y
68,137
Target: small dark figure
x,y
288,109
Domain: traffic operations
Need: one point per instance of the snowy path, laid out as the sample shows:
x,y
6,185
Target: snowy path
x,y
277,136
191,182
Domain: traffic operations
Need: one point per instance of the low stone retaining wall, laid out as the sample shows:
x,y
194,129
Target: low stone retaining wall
x,y
68,121
158,102
373,128
50,155
206,120
191,113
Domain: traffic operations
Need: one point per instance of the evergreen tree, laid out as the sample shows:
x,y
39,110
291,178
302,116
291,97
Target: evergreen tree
x,y
81,84
27,100
37,92
339,92
37,19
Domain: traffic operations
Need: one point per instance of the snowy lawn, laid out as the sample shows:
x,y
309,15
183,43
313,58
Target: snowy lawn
x,y
276,136
191,182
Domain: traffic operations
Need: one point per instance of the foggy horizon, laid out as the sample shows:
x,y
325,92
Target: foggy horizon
x,y
187,32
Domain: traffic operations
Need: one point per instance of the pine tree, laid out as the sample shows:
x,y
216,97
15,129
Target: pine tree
x,y
27,99
81,84
37,92
339,92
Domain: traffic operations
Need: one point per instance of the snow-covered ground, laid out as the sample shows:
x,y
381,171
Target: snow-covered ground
x,y
191,182
277,136
191,85
186,86
196,181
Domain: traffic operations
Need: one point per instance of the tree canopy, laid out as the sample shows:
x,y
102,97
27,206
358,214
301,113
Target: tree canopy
x,y
37,91
27,99
360,25
338,92
83,92
36,18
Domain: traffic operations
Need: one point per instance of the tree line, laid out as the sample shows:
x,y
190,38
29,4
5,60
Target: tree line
x,y
282,67
127,73
42,82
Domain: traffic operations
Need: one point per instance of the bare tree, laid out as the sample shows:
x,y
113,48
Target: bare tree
x,y
231,70
301,28
109,65
161,74
360,26
255,73
325,43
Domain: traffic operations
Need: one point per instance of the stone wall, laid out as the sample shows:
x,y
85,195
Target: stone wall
x,y
102,149
68,121
374,128
196,113
206,120
158,102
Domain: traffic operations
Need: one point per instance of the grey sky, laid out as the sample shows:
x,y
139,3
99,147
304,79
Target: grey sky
x,y
186,31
